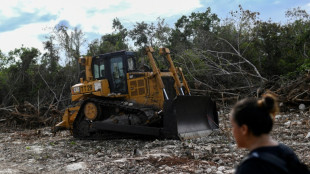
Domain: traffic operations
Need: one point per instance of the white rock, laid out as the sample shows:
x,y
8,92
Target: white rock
x,y
278,116
9,171
209,170
198,171
230,171
75,166
169,169
100,154
308,135
300,135
157,155
36,149
302,107
221,168
219,172
122,160
287,123
17,142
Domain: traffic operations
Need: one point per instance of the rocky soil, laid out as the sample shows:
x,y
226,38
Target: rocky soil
x,y
39,151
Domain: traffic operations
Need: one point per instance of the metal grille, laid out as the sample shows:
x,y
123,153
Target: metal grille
x,y
133,83
141,91
140,83
134,93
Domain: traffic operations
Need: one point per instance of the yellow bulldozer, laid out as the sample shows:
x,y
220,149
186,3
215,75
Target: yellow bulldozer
x,y
116,97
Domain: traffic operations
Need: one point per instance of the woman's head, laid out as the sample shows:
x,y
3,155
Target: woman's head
x,y
255,116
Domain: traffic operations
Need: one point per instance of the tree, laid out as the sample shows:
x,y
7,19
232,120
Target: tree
x,y
192,29
144,34
115,41
52,55
20,74
214,55
71,41
25,57
2,60
3,76
299,27
284,48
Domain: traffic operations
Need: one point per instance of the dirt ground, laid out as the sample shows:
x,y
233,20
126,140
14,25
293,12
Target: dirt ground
x,y
39,151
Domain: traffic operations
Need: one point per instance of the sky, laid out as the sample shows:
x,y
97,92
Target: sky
x,y
27,22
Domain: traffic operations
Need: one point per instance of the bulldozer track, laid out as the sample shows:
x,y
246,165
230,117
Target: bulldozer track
x,y
142,112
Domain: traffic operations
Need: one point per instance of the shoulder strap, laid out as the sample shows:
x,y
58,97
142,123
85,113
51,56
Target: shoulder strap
x,y
272,159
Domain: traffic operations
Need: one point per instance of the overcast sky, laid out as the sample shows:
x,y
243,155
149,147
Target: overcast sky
x,y
24,22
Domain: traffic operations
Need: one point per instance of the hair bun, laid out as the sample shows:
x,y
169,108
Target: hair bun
x,y
269,102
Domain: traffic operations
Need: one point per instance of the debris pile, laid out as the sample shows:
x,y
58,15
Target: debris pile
x,y
295,91
28,116
290,92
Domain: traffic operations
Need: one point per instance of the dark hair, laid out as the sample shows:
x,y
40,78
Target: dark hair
x,y
256,114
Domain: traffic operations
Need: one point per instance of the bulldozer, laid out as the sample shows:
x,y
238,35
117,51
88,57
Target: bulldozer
x,y
117,97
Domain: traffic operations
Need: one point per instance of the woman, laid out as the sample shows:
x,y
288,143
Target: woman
x,y
252,121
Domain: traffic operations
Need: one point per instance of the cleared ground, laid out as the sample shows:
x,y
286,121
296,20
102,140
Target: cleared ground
x,y
39,151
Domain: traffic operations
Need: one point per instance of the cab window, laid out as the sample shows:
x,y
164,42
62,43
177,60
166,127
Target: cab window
x,y
131,66
99,69
96,71
118,74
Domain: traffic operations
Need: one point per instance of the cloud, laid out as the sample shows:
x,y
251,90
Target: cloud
x,y
22,21
24,18
26,36
95,13
307,7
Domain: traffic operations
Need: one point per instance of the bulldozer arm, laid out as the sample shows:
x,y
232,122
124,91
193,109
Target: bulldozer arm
x,y
188,117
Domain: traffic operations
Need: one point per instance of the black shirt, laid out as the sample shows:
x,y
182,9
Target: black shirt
x,y
259,166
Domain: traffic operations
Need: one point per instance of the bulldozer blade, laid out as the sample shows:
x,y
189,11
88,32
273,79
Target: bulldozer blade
x,y
188,117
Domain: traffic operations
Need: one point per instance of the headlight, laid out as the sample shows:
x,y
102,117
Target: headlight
x,y
76,89
97,86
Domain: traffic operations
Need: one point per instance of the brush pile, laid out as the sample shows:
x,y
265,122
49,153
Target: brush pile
x,y
28,116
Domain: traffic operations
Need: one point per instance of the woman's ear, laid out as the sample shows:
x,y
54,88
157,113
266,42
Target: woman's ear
x,y
244,129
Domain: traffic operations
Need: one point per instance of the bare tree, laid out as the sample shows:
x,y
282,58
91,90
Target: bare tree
x,y
71,41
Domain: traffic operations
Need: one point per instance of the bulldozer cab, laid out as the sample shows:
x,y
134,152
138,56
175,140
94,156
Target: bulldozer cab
x,y
114,67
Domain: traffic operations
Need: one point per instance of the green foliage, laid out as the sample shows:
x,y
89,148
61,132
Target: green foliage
x,y
51,57
189,29
115,41
235,52
107,43
155,35
283,48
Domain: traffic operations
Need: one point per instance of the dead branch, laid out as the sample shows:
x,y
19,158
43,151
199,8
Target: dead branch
x,y
246,60
55,96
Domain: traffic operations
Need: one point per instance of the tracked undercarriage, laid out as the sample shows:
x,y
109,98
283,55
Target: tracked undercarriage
x,y
112,116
